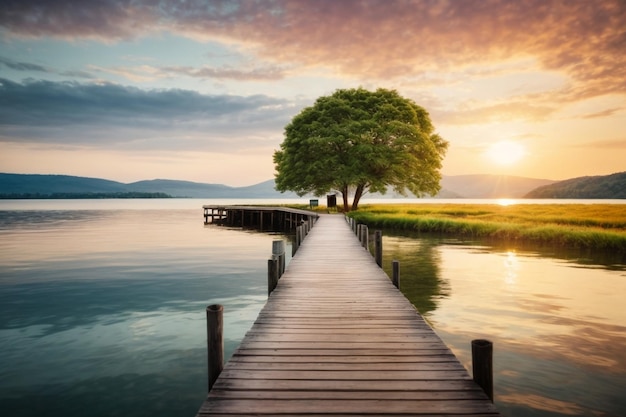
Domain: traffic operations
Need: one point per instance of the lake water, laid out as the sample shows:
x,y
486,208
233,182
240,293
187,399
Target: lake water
x,y
102,309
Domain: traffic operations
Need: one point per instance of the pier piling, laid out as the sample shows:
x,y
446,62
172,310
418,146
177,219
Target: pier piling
x,y
482,365
395,276
215,341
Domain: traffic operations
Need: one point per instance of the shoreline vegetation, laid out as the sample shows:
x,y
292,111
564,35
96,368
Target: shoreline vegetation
x,y
585,226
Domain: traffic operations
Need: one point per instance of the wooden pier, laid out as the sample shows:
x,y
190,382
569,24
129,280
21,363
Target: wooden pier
x,y
337,338
259,217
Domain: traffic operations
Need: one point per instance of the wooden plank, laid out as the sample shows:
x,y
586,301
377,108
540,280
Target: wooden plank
x,y
357,375
369,415
345,352
337,338
348,385
347,395
342,366
356,406
343,359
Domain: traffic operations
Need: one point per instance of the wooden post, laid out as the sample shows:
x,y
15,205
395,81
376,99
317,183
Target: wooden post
x,y
278,251
482,365
294,246
378,247
365,237
272,275
215,341
395,277
299,235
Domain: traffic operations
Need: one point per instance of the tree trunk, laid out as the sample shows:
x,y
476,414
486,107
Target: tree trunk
x,y
344,194
357,196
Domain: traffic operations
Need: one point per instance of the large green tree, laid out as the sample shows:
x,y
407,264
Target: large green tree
x,y
357,141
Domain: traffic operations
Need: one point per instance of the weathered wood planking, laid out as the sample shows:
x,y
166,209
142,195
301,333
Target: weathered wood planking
x,y
337,338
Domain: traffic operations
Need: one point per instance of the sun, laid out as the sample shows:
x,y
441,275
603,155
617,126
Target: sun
x,y
506,152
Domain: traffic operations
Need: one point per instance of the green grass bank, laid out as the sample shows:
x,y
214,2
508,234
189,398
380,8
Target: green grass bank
x,y
591,226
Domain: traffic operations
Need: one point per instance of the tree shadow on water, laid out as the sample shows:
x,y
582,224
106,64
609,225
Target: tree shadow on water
x,y
420,269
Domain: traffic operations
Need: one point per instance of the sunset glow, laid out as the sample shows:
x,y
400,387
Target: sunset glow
x,y
506,152
188,91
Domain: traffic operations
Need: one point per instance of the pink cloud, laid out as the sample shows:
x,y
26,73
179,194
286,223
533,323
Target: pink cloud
x,y
374,39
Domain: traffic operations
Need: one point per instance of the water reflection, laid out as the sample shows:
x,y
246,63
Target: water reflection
x,y
556,318
104,310
420,269
511,267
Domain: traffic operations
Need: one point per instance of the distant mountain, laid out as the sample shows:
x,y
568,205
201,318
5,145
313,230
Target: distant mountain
x,y
56,184
488,186
48,185
265,189
604,186
459,186
183,188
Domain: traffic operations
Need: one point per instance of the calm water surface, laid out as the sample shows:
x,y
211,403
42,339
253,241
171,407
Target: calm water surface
x,y
557,319
102,310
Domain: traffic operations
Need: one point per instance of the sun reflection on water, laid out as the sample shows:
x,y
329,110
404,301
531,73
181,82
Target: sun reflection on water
x,y
506,202
511,267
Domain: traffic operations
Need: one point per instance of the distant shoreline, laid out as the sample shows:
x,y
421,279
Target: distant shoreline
x,y
83,196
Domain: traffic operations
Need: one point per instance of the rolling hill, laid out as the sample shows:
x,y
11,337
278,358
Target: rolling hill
x,y
35,185
460,186
599,187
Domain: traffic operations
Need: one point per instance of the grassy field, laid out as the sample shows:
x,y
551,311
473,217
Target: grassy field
x,y
596,226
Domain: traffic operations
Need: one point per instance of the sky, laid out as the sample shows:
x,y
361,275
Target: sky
x,y
201,91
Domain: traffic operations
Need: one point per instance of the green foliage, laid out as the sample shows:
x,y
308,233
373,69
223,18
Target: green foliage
x,y
358,141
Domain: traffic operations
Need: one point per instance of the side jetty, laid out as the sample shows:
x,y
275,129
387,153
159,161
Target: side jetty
x,y
336,337
259,217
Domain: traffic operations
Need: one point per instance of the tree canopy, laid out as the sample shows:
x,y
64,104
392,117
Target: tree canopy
x,y
356,141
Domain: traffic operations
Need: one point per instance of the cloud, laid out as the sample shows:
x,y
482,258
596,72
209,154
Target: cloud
x,y
70,19
603,144
416,44
30,67
22,66
229,73
144,73
479,114
603,113
364,38
140,73
110,114
370,40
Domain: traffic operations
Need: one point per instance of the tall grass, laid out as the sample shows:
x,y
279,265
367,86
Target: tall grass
x,y
597,226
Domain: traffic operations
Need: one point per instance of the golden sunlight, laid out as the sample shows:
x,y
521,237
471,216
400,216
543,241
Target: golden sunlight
x,y
506,152
506,202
